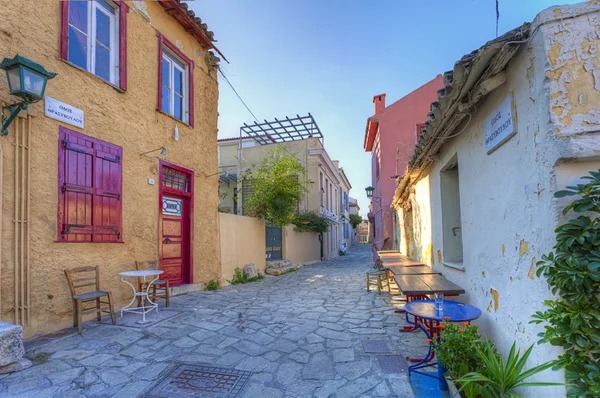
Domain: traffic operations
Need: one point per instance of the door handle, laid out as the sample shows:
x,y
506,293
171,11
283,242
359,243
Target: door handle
x,y
166,240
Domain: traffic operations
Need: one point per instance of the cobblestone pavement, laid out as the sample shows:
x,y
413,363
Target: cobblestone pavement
x,y
303,338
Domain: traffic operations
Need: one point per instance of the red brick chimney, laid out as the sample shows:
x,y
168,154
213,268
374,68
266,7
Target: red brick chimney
x,y
379,101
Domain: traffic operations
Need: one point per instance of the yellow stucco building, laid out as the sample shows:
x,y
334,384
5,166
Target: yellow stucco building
x,y
117,163
325,187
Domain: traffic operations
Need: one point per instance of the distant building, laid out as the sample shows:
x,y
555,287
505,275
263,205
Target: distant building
x,y
345,227
325,191
354,209
363,232
390,136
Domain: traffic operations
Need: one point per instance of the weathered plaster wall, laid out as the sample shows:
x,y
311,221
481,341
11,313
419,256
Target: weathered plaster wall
x,y
508,210
127,119
301,247
242,242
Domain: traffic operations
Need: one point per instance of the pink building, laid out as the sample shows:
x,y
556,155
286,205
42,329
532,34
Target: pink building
x,y
390,136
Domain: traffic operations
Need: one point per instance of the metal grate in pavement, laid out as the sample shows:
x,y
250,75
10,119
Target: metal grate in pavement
x,y
375,346
392,364
199,381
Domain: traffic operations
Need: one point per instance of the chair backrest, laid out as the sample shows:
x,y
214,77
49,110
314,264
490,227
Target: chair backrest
x,y
83,277
146,265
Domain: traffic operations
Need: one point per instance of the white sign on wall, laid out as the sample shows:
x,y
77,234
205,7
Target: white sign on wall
x,y
501,125
63,112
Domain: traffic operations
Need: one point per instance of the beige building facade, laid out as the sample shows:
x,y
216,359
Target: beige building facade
x,y
323,187
147,182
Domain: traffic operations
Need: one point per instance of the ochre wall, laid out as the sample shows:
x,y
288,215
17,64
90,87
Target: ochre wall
x,y
242,242
127,119
301,247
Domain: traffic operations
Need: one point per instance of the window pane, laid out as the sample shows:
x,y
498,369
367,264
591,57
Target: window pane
x,y
166,101
166,70
104,4
78,15
103,62
178,81
178,108
77,48
102,28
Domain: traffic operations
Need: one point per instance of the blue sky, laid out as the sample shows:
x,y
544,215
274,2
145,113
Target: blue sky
x,y
329,57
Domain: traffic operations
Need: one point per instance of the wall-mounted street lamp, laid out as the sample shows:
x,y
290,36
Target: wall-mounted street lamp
x,y
27,80
369,191
162,149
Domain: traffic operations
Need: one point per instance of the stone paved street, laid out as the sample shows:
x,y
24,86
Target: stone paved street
x,y
304,338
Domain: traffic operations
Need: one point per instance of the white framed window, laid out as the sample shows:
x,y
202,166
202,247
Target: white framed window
x,y
93,38
175,87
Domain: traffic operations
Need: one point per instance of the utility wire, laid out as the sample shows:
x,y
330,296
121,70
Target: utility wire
x,y
236,93
252,113
497,15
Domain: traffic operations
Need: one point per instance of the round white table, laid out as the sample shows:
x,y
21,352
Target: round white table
x,y
142,294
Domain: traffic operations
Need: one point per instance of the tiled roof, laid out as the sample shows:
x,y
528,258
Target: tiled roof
x,y
190,22
472,78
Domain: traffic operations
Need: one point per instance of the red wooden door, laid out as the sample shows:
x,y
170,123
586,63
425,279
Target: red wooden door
x,y
176,209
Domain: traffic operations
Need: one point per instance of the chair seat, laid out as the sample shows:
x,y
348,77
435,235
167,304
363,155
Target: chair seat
x,y
90,295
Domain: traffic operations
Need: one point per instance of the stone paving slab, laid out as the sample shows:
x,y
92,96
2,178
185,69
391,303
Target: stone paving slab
x,y
303,338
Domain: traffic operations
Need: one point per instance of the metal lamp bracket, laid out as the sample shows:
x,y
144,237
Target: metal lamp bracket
x,y
14,110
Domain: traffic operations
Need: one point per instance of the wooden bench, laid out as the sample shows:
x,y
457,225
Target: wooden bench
x,y
412,270
426,284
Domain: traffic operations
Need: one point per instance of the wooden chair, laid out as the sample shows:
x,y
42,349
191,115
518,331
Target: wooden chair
x,y
159,288
83,277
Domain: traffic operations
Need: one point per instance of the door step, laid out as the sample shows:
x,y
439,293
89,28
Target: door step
x,y
282,270
185,289
278,264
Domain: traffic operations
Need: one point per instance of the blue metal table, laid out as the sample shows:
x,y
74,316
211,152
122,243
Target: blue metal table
x,y
425,316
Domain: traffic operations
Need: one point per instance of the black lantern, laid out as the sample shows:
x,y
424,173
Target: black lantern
x,y
369,191
27,80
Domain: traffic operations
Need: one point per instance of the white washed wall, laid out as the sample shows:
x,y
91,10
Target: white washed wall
x,y
508,210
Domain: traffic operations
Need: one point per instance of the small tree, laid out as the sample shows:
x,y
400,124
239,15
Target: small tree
x,y
279,184
573,271
355,220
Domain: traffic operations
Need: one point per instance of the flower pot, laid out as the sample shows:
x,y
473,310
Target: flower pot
x,y
452,389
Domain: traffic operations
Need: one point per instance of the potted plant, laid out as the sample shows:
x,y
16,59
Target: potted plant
x,y
455,350
499,379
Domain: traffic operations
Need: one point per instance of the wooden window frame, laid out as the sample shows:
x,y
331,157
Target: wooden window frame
x,y
122,10
164,45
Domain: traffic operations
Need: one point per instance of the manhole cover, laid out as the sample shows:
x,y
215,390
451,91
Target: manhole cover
x,y
392,364
375,346
200,381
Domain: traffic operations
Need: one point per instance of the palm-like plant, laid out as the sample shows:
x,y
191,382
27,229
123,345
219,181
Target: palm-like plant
x,y
499,379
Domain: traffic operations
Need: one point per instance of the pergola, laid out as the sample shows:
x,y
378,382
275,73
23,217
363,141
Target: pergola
x,y
284,130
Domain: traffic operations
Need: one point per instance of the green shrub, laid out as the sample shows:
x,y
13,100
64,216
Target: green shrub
x,y
573,272
240,276
456,351
310,221
213,285
499,379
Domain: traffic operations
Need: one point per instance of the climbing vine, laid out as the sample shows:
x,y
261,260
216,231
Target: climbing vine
x,y
572,271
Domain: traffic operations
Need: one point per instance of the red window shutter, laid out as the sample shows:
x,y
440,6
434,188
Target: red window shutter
x,y
90,189
123,10
160,54
191,94
75,187
64,29
107,193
